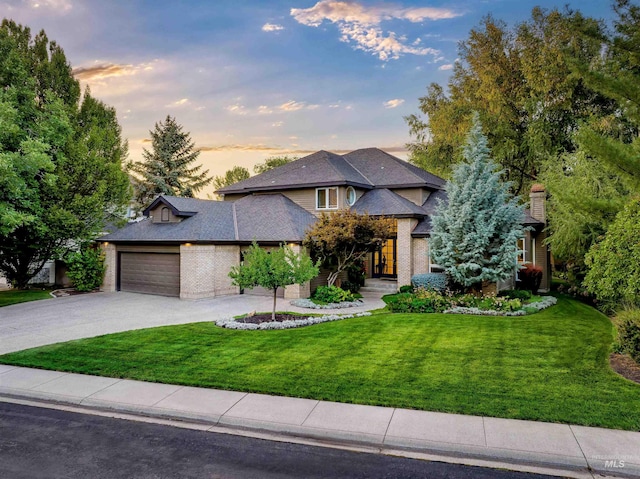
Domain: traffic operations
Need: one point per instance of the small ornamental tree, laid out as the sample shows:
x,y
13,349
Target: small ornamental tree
x,y
341,239
272,270
474,235
614,263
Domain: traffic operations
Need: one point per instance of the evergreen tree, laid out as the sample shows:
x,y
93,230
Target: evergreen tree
x,y
61,156
168,169
474,235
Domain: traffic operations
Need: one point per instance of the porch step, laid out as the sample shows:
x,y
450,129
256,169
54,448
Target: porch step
x,y
379,286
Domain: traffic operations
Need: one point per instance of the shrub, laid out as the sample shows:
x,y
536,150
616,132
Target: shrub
x,y
432,281
332,294
86,269
351,286
530,278
628,325
521,294
407,288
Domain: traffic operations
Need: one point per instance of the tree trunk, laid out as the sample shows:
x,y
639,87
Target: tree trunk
x,y
273,312
331,279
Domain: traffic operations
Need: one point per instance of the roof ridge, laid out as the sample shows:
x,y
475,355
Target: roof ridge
x,y
236,235
356,168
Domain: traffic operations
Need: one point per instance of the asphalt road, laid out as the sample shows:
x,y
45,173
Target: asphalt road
x,y
47,443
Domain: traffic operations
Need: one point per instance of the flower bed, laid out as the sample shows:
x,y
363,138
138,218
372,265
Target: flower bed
x,y
232,323
309,304
426,301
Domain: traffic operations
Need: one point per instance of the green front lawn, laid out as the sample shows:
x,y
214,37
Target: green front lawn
x,y
14,296
549,366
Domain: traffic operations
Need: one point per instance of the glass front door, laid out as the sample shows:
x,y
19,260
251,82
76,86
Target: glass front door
x,y
384,260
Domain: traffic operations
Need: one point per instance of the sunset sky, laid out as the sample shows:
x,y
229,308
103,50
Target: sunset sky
x,y
251,79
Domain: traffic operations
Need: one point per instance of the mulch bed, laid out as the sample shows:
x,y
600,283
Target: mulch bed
x,y
266,318
625,366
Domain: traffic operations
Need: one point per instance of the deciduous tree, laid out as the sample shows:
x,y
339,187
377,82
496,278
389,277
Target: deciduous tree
x,y
235,174
273,162
272,270
60,156
341,239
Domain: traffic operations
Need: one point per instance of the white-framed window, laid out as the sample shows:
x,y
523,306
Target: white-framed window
x,y
327,198
350,196
431,266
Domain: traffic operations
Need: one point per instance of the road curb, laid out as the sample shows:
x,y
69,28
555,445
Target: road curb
x,y
445,452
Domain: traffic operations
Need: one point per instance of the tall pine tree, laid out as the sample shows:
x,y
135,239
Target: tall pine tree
x,y
168,169
474,234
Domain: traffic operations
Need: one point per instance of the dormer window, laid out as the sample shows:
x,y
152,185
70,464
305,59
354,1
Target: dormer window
x,y
327,198
164,215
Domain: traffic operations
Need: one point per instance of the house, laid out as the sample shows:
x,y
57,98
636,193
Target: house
x,y
185,247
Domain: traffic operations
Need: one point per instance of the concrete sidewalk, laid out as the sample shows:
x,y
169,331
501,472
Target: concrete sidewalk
x,y
559,449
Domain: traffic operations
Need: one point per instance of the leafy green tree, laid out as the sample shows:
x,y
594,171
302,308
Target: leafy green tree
x,y
614,141
60,156
521,83
235,174
585,197
169,169
614,263
343,238
474,235
273,270
273,162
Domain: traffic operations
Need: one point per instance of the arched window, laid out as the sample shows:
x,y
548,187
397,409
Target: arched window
x,y
350,197
164,214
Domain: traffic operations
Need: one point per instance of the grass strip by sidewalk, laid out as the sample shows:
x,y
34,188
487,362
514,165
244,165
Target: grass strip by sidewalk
x,y
15,296
549,366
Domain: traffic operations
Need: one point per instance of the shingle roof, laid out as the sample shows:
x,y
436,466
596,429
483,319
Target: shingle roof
x,y
271,218
385,171
321,168
262,217
382,202
530,220
367,168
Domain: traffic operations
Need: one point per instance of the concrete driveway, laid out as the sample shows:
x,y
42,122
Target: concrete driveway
x,y
28,325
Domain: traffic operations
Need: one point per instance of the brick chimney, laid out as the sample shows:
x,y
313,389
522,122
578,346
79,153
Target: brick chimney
x,y
537,202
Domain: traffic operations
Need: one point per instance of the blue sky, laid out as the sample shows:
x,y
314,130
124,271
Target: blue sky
x,y
250,79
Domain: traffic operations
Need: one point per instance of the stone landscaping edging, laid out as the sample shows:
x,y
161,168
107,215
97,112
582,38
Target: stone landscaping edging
x,y
307,303
232,323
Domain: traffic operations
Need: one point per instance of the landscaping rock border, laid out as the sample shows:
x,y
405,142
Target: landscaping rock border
x,y
307,303
231,323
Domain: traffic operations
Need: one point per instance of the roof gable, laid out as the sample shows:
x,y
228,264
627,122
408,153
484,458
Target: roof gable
x,y
183,207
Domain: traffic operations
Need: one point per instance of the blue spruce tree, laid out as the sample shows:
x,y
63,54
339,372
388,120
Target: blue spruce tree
x,y
474,234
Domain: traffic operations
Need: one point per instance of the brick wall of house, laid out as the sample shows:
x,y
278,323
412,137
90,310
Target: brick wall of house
x,y
296,291
420,255
226,256
197,269
404,258
111,271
